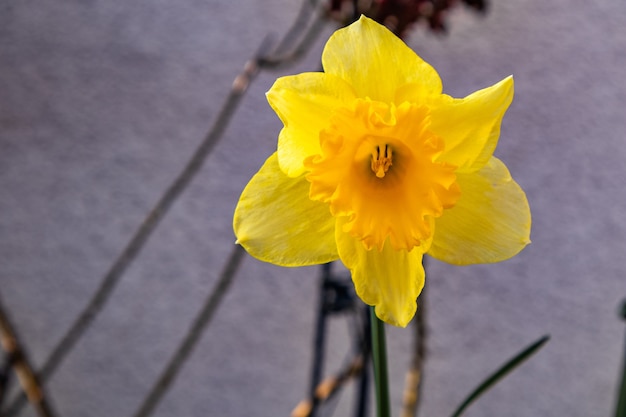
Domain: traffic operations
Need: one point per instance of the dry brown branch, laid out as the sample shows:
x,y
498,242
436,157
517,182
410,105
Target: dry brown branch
x,y
328,387
22,366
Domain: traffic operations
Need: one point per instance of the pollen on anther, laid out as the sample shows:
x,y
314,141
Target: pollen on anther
x,y
381,162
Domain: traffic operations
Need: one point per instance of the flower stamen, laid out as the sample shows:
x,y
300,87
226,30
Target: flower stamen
x,y
381,163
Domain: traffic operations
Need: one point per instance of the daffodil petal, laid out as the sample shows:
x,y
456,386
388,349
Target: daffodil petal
x,y
489,223
376,62
389,279
304,103
276,222
470,126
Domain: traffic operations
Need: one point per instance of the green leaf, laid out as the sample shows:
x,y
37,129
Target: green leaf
x,y
501,373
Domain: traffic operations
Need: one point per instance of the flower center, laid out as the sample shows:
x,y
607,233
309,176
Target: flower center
x,y
381,160
378,169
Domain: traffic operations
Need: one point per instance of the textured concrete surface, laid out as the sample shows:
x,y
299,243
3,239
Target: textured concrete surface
x,y
101,103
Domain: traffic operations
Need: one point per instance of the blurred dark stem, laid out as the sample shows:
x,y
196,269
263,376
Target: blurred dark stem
x,y
336,297
18,358
5,374
193,335
355,10
620,410
363,388
262,59
320,336
413,381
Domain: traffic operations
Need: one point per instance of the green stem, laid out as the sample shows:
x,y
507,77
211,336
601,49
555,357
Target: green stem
x,y
379,354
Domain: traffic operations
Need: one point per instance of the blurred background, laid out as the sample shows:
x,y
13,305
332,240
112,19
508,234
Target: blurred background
x,y
102,104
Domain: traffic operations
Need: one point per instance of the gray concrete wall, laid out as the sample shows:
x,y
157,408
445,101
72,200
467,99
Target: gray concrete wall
x,y
101,103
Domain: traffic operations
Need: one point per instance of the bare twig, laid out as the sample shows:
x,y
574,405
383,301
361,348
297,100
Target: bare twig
x,y
21,364
184,350
294,33
261,60
111,279
128,255
328,387
280,58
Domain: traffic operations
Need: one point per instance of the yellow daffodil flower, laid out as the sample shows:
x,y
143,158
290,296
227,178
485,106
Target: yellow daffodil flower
x,y
375,166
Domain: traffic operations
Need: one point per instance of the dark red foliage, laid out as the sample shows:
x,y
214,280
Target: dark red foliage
x,y
401,15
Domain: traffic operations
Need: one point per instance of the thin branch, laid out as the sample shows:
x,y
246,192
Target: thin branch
x,y
128,255
261,61
193,335
293,34
107,285
279,58
21,364
326,389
